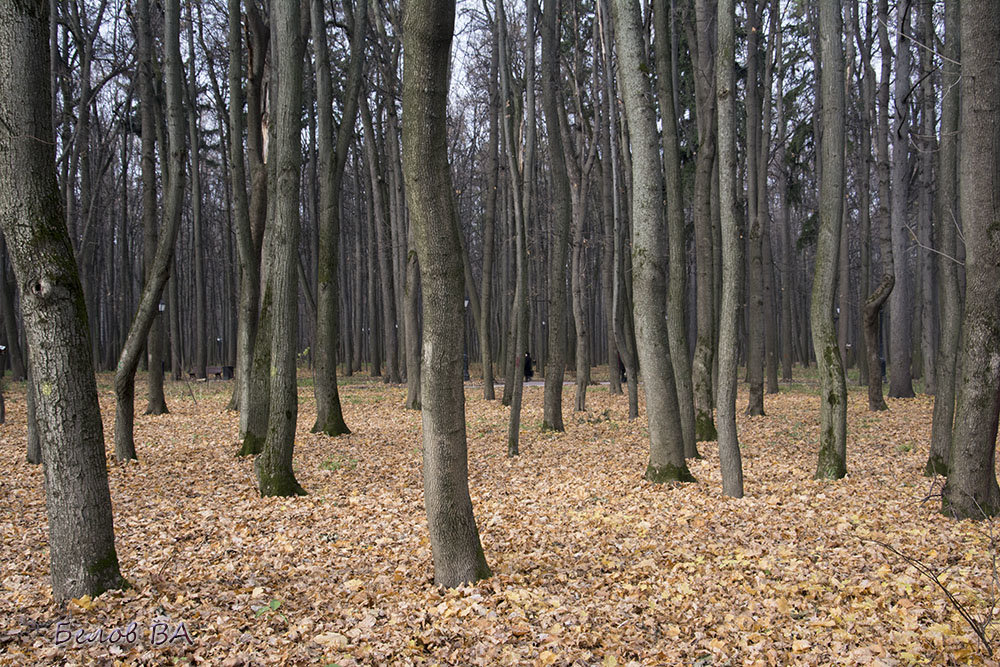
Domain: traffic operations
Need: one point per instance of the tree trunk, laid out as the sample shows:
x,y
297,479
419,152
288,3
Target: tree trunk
x,y
34,454
455,546
677,241
901,299
489,220
159,269
755,233
9,318
555,366
200,304
666,442
947,225
730,460
704,77
971,490
928,148
274,465
329,415
832,462
83,560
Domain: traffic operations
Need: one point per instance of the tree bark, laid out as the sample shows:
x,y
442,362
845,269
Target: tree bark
x,y
83,560
159,269
730,460
455,546
832,462
755,233
555,366
274,465
971,490
666,442
17,367
200,305
947,212
677,240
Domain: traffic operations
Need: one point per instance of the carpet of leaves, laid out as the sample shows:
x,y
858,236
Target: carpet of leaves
x,y
592,565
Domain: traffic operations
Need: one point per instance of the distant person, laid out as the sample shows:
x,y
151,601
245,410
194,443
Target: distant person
x,y
529,371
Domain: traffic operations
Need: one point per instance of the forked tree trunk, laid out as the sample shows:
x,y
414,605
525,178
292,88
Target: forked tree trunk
x,y
666,442
455,546
971,490
159,270
676,327
83,560
832,462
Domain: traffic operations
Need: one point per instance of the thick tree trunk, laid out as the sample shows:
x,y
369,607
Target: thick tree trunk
x,y
274,465
677,241
971,490
555,365
159,269
901,299
730,460
832,462
83,560
928,149
455,546
666,442
947,225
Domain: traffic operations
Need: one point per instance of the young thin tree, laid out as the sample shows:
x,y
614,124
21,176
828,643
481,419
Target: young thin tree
x,y
83,560
971,490
666,443
159,271
833,389
730,460
274,464
332,158
455,546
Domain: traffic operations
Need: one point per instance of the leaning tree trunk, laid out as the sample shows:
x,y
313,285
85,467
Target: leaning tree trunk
x,y
675,226
666,442
971,490
159,270
832,462
555,366
949,294
274,465
455,546
730,461
83,560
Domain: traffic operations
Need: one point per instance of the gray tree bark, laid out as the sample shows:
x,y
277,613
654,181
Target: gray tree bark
x,y
946,223
83,560
755,233
677,241
555,365
159,269
730,460
971,490
455,546
832,462
666,442
274,464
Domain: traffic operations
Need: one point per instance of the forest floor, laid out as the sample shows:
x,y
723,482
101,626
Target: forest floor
x,y
592,565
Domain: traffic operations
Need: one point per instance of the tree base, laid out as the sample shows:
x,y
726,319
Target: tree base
x,y
704,428
549,427
159,408
936,466
252,445
278,484
332,428
830,466
668,473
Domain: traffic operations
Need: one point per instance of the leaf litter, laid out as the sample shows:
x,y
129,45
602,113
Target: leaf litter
x,y
592,565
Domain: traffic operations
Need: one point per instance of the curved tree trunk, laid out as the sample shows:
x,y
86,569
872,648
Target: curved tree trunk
x,y
159,270
455,546
83,560
666,442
